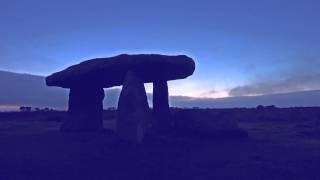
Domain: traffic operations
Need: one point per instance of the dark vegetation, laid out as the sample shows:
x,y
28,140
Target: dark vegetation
x,y
196,121
282,143
261,113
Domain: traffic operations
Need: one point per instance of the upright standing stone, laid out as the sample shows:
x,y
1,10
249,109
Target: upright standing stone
x,y
133,110
161,111
85,111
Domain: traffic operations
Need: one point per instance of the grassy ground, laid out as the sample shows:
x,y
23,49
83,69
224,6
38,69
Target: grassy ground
x,y
34,149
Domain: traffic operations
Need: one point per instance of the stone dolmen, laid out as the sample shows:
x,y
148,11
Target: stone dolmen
x,y
87,80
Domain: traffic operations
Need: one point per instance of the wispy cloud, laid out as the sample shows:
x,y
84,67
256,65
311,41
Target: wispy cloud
x,y
303,75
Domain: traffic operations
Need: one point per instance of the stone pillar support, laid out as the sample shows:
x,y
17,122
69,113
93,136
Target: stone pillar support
x,y
161,111
133,110
85,111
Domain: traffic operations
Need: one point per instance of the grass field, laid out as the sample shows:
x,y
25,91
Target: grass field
x,y
32,148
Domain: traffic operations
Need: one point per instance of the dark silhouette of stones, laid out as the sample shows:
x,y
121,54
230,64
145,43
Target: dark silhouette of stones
x,y
133,110
161,109
85,109
87,80
108,72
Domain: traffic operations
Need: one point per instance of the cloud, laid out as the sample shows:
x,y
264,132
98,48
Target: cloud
x,y
303,99
30,90
302,76
290,84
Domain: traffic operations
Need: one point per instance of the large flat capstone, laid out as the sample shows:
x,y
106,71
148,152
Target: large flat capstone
x,y
108,72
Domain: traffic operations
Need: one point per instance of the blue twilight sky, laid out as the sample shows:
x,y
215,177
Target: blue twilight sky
x,y
241,47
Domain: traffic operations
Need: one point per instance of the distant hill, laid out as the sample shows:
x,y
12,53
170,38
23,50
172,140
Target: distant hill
x,y
294,99
30,90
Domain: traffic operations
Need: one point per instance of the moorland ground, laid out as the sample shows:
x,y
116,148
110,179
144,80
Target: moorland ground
x,y
281,144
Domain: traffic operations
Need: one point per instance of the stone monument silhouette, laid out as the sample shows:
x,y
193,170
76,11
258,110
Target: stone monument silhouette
x,y
87,80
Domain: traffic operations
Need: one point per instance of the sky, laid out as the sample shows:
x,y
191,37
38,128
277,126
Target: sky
x,y
241,48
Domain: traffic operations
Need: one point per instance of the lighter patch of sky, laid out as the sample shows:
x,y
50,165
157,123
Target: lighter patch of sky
x,y
234,43
8,108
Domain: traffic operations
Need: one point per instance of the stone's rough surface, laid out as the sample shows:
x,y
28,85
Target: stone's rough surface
x,y
161,109
85,109
133,110
108,72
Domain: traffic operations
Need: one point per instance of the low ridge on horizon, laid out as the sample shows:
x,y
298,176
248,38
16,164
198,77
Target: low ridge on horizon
x,y
31,90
